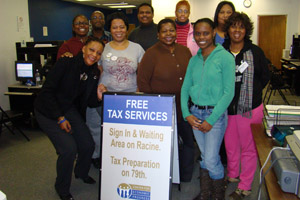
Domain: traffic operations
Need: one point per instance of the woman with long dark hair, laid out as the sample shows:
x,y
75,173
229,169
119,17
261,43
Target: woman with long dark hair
x,y
223,11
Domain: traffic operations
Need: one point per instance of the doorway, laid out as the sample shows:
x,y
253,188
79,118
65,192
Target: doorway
x,y
271,36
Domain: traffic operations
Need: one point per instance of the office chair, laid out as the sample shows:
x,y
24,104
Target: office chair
x,y
276,83
10,117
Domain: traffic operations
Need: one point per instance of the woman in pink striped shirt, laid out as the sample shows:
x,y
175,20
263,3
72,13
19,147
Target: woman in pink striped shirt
x,y
184,27
185,37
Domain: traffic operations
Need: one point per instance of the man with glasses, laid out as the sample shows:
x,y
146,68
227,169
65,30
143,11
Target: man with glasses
x,y
93,115
98,22
146,33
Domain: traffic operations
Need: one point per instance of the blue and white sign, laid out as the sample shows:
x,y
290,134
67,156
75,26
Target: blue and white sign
x,y
145,110
137,147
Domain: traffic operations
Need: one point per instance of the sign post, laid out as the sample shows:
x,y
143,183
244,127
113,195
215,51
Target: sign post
x,y
137,147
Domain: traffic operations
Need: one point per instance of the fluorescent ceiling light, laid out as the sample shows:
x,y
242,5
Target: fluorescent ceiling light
x,y
125,6
114,4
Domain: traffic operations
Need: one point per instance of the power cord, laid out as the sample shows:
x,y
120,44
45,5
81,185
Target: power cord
x,y
262,176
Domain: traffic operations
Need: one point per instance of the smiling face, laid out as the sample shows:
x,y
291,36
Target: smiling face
x,y
81,26
204,36
237,32
118,30
145,15
182,13
225,12
167,34
92,52
97,20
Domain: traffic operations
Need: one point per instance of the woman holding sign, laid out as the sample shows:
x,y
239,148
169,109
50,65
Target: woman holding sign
x,y
60,108
246,108
119,64
209,82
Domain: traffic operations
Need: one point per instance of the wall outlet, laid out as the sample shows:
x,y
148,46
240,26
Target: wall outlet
x,y
45,31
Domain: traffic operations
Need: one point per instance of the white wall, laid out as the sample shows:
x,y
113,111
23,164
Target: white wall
x,y
10,34
163,8
204,8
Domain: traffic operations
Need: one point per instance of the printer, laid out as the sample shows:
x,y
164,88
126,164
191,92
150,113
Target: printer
x,y
288,170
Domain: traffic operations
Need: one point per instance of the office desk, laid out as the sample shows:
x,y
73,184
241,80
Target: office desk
x,y
291,67
264,144
295,62
21,97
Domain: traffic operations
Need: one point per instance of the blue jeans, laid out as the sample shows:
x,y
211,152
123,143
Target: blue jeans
x,y
93,122
209,143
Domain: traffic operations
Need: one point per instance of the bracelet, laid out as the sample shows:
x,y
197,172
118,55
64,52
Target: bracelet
x,y
61,121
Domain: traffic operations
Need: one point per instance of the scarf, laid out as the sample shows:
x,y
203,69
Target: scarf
x,y
181,23
246,93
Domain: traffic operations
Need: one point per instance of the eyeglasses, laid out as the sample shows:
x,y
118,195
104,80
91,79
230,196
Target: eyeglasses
x,y
81,23
183,11
95,18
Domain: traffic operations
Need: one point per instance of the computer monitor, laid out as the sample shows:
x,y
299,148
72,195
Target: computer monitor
x,y
295,48
25,71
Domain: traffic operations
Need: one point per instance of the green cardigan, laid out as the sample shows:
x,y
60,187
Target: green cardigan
x,y
209,83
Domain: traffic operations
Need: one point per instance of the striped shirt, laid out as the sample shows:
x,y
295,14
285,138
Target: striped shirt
x,y
182,33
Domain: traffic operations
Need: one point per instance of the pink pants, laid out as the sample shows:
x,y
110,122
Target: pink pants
x,y
240,147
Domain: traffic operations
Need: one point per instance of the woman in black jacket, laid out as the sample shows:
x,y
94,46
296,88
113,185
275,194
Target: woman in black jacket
x,y
252,76
60,107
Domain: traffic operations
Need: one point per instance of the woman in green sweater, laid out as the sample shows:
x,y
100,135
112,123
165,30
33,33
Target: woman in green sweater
x,y
209,83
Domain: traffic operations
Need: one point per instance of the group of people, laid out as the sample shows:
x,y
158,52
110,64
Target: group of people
x,y
213,68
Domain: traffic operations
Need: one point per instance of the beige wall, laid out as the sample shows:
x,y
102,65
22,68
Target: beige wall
x,y
204,8
10,34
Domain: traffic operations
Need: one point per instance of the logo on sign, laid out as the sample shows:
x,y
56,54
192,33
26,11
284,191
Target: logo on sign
x,y
124,190
129,191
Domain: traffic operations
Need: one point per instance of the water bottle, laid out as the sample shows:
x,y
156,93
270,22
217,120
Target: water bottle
x,y
38,80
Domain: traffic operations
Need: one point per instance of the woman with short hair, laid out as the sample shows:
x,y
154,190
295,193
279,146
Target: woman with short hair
x,y
209,83
184,28
163,66
60,108
119,65
121,57
80,29
246,108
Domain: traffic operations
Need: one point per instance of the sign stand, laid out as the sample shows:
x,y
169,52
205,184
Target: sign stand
x,y
138,145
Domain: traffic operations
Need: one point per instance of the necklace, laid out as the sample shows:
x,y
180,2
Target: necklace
x,y
234,52
238,48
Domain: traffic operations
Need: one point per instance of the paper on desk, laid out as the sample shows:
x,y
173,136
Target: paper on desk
x,y
281,115
283,111
297,135
43,45
267,128
281,121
